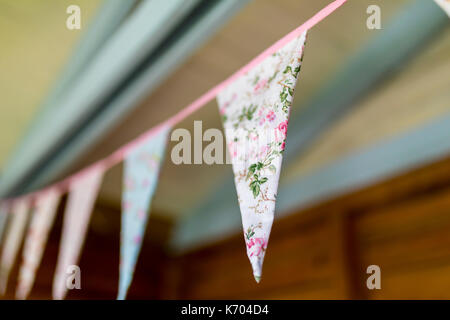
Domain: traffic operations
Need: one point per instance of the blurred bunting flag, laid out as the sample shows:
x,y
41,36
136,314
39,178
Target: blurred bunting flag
x,y
41,221
3,218
13,240
141,170
82,195
444,4
255,110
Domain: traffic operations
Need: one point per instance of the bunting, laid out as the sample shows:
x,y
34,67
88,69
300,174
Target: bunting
x,y
255,110
82,195
13,240
141,170
3,219
36,238
254,104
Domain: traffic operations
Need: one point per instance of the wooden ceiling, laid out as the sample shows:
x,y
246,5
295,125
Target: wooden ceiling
x,y
413,97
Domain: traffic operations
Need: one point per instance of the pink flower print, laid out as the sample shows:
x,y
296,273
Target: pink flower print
x,y
152,162
263,151
137,239
258,245
141,214
145,182
261,117
278,136
261,84
271,115
282,127
283,145
250,243
232,147
227,104
129,183
127,205
253,136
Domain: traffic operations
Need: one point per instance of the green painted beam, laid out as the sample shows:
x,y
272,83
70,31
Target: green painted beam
x,y
140,87
194,28
107,20
409,32
149,24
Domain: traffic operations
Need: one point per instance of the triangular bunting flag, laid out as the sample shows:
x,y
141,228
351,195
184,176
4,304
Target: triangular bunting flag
x,y
444,4
13,240
141,170
82,195
3,219
36,238
255,110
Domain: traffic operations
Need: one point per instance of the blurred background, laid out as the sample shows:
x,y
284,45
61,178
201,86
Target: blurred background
x,y
366,176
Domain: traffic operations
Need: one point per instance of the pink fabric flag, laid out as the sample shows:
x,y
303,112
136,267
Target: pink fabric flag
x,y
255,111
36,238
82,195
444,4
3,219
13,240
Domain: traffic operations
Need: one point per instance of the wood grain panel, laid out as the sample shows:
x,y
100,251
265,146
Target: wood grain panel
x,y
323,252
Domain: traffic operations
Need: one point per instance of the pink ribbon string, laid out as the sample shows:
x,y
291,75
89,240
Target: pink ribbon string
x,y
121,153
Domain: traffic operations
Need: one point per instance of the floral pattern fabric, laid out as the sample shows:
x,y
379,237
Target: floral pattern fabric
x,y
13,240
36,238
3,219
255,111
82,195
141,172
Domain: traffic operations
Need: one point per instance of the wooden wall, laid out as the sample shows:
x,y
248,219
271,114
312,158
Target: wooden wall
x,y
402,225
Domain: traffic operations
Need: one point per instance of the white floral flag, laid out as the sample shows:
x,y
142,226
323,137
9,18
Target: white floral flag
x,y
444,4
13,240
3,219
41,222
141,172
255,111
82,195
